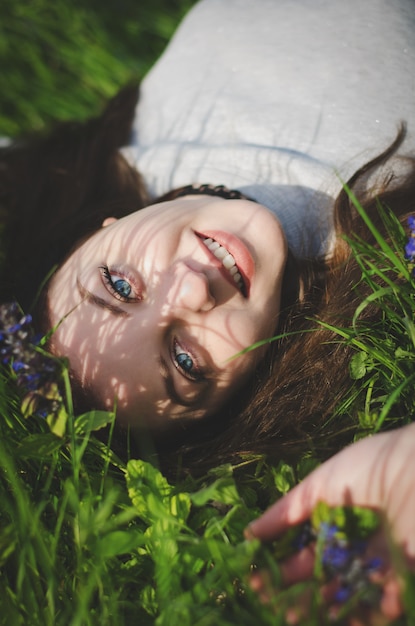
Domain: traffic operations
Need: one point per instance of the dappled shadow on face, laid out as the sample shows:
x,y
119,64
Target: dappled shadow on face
x,y
178,303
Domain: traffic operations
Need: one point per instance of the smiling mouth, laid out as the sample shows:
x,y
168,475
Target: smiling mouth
x,y
228,262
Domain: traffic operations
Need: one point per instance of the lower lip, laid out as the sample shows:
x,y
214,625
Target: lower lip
x,y
238,250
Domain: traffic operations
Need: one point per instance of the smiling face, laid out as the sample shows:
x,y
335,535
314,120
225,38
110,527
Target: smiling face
x,y
153,306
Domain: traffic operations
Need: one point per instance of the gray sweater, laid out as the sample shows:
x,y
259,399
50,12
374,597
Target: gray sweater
x,y
281,99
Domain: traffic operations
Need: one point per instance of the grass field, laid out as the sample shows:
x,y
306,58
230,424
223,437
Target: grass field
x,y
62,59
85,538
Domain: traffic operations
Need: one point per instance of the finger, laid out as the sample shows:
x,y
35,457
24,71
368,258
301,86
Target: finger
x,y
292,509
298,567
338,482
295,609
391,602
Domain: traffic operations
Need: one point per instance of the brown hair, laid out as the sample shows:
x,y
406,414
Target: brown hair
x,y
305,376
55,189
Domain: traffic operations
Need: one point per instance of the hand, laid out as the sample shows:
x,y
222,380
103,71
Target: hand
x,y
378,473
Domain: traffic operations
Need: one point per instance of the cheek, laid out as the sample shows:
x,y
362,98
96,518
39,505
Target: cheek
x,y
237,373
264,324
93,343
128,370
238,334
234,379
243,365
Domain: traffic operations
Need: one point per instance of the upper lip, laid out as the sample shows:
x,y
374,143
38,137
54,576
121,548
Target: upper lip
x,y
239,251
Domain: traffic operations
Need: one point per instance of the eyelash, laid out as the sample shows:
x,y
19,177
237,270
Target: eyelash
x,y
109,283
178,350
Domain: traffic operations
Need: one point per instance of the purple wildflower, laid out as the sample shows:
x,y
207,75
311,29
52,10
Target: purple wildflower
x,y
18,366
35,373
410,246
374,564
342,594
328,531
343,560
410,249
336,556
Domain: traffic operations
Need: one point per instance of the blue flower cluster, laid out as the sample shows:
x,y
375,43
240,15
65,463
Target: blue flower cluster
x,y
343,559
410,246
35,373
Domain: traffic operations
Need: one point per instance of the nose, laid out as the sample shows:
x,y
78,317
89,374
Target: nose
x,y
189,290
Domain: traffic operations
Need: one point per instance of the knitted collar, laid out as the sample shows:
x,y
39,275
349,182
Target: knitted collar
x,y
205,190
211,190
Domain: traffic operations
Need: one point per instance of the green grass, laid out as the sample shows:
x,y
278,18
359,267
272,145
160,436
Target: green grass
x,y
86,539
383,364
60,60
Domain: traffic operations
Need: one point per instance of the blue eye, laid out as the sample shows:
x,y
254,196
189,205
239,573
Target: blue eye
x,y
122,287
119,286
185,362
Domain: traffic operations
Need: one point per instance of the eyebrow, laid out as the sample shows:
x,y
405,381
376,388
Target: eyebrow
x,y
97,301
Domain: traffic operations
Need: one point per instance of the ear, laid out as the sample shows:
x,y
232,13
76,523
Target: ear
x,y
108,221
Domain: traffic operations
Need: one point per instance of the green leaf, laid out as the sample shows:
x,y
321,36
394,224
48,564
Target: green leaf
x,y
93,420
152,495
180,505
352,521
222,490
120,542
306,466
320,514
365,521
284,477
367,419
57,423
400,353
39,446
360,364
410,327
409,597
8,542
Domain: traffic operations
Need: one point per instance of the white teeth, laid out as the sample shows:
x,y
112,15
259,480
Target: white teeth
x,y
227,259
213,246
220,253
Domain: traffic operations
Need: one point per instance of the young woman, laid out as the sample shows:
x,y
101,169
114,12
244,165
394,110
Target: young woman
x,y
149,316
90,297
274,100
